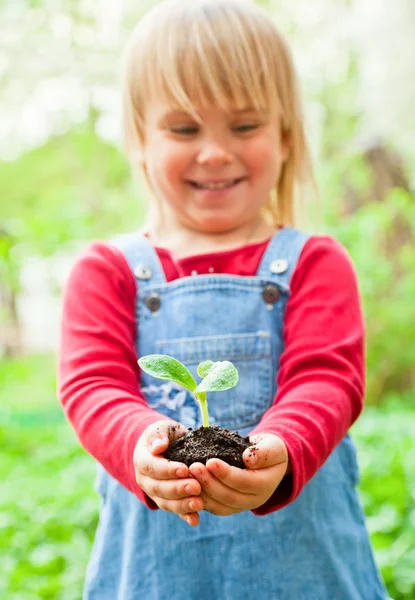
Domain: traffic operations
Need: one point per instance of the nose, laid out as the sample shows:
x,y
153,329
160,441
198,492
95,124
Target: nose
x,y
213,153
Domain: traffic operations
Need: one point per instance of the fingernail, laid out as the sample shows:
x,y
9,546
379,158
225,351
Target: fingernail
x,y
192,506
181,472
196,472
213,465
189,490
158,443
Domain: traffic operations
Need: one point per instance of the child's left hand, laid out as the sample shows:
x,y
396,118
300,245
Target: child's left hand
x,y
227,490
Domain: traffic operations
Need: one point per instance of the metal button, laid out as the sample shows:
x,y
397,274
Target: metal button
x,y
153,301
142,272
270,293
278,266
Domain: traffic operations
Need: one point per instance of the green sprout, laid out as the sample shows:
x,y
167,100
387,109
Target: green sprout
x,y
217,376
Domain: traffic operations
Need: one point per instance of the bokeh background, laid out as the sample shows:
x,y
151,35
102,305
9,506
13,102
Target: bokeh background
x,y
64,180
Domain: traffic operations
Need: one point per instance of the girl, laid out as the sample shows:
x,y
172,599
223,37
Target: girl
x,y
212,116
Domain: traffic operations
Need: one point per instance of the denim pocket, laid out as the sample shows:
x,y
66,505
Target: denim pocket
x,y
243,405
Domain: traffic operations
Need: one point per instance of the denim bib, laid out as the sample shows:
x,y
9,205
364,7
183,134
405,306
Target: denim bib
x,y
317,548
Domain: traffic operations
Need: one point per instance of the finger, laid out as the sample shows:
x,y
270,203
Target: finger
x,y
267,450
237,479
158,467
247,481
181,507
193,519
217,508
217,490
173,489
161,434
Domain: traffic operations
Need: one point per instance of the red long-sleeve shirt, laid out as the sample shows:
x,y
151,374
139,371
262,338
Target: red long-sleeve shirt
x,y
320,380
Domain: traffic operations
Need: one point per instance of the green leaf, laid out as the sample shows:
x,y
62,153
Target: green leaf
x,y
205,367
222,376
167,367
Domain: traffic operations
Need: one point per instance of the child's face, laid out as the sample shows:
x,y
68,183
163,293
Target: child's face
x,y
216,175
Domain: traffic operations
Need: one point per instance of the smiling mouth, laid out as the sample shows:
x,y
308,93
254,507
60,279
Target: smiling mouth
x,y
219,185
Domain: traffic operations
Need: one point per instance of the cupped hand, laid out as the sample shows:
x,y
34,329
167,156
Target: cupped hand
x,y
167,483
227,490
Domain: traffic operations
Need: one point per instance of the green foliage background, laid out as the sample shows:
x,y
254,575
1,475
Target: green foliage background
x,y
49,509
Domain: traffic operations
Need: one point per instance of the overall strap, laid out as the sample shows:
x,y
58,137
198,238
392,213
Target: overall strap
x,y
281,256
141,257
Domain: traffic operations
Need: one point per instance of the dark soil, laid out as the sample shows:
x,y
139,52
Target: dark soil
x,y
209,442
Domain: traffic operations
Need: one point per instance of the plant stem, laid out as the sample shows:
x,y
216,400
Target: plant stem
x,y
201,396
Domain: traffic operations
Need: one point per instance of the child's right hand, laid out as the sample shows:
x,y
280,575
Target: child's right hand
x,y
166,482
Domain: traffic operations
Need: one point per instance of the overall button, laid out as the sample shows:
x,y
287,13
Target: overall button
x,y
270,293
142,272
278,266
153,301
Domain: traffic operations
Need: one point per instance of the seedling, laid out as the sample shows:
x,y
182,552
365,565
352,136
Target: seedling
x,y
217,376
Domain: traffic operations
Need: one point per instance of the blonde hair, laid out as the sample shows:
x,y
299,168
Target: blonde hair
x,y
196,53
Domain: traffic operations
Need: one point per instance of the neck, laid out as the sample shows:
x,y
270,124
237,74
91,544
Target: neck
x,y
184,241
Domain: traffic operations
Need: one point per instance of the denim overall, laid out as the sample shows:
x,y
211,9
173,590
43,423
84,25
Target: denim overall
x,y
317,548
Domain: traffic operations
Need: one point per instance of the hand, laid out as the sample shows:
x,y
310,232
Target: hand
x,y
227,490
166,482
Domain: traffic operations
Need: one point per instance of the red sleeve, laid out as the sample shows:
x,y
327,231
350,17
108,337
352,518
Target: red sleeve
x,y
98,379
321,376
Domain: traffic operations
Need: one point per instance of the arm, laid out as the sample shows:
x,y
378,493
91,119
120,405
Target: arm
x,y
320,393
98,376
321,376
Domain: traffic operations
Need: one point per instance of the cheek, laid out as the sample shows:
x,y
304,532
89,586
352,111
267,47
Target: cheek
x,y
164,162
173,160
262,157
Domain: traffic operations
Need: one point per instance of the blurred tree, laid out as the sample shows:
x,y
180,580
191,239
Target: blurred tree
x,y
64,177
386,172
73,188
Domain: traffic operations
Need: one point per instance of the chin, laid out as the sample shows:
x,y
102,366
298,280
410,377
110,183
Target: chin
x,y
215,221
215,225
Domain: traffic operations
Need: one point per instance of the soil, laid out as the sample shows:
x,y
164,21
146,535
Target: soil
x,y
209,442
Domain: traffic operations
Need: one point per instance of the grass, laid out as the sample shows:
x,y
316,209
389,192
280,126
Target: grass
x,y
48,512
48,506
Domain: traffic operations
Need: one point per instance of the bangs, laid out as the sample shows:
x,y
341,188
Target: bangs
x,y
221,54
199,54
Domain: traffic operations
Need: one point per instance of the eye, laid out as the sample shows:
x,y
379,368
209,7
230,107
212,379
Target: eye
x,y
245,127
185,130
